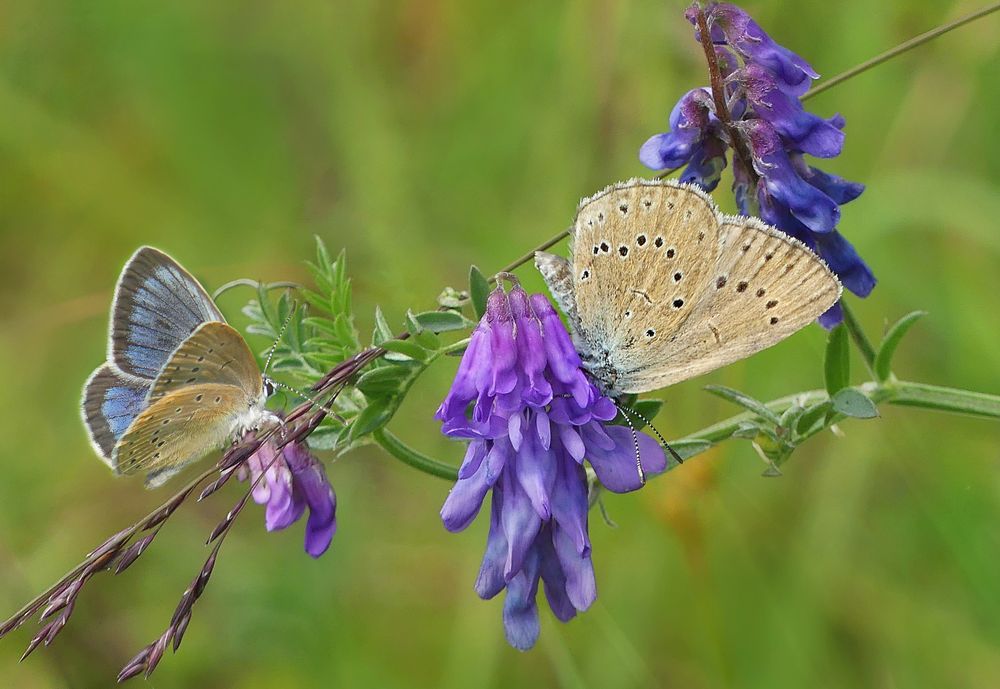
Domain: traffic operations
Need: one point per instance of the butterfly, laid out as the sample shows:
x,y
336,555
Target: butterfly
x,y
662,287
178,381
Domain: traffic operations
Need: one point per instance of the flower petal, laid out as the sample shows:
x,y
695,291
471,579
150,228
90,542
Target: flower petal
x,y
520,611
569,500
536,472
491,581
466,496
553,577
520,522
793,73
581,586
616,468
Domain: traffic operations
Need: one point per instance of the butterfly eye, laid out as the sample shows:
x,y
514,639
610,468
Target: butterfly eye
x,y
268,387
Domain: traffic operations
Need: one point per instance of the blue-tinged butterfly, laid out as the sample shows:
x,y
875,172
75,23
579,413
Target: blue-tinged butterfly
x,y
178,380
662,287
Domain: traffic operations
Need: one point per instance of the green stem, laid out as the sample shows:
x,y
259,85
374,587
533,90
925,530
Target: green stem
x,y
859,337
406,454
901,393
900,49
939,398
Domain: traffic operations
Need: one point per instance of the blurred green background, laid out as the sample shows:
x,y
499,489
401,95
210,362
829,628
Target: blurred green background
x,y
422,137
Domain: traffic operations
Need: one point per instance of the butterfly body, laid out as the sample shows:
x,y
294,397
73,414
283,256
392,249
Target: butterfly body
x,y
179,381
662,287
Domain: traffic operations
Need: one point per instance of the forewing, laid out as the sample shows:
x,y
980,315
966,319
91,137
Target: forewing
x,y
214,354
764,287
640,251
558,275
157,304
110,403
178,428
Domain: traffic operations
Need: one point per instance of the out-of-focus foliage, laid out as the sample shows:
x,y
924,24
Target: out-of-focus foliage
x,y
423,137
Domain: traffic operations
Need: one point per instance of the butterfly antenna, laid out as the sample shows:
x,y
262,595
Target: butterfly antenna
x,y
635,441
281,334
663,441
313,400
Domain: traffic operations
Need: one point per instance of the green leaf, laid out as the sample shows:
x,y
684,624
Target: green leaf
x,y
451,298
479,289
382,381
837,366
745,401
374,416
412,324
382,330
689,448
812,414
442,321
883,360
647,409
322,255
428,340
324,325
326,437
791,415
406,348
853,402
747,430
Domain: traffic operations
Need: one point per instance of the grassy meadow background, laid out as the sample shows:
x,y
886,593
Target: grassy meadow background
x,y
422,137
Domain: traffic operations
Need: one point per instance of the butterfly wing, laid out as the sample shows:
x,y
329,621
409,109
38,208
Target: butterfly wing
x,y
178,428
111,401
638,246
764,287
215,353
209,387
157,305
558,275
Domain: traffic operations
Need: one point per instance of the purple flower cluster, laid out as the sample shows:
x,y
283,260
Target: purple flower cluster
x,y
534,418
764,82
288,481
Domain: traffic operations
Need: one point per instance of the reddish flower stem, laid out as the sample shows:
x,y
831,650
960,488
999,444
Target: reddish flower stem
x,y
719,96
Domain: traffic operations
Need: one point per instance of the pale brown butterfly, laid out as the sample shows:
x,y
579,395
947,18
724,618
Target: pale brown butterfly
x,y
663,287
178,380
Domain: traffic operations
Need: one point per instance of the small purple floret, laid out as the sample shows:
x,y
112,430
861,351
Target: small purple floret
x,y
289,481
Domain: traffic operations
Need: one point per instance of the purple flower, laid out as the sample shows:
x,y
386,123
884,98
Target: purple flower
x,y
695,139
287,483
763,83
535,418
731,25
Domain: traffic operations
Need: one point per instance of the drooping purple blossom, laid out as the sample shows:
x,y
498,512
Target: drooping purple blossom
x,y
534,419
287,482
764,83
